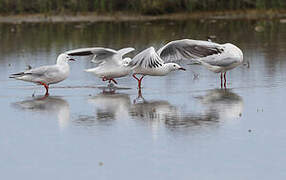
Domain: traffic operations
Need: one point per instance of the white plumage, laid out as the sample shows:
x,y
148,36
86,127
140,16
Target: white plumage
x,y
110,63
218,58
148,62
46,75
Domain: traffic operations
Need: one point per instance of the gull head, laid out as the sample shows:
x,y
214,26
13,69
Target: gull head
x,y
126,61
236,51
64,58
174,67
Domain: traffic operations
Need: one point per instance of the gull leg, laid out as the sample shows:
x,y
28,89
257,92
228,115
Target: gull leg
x,y
225,80
139,80
134,75
112,80
221,80
47,88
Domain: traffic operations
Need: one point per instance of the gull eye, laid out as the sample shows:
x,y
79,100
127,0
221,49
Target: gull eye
x,y
174,65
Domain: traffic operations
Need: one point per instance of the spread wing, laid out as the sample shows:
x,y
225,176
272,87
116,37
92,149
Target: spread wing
x,y
101,55
188,49
147,59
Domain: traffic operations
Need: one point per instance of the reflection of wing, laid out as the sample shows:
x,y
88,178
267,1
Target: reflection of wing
x,y
160,113
224,103
188,49
49,105
153,110
111,105
101,54
147,59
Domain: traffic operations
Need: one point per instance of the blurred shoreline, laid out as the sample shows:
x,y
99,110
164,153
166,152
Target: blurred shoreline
x,y
119,16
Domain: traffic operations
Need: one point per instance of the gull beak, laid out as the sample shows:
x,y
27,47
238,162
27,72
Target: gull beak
x,y
183,69
71,59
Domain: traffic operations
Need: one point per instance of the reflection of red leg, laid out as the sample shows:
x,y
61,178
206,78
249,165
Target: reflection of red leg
x,y
46,86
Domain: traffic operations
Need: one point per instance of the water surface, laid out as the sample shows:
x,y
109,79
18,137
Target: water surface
x,y
180,126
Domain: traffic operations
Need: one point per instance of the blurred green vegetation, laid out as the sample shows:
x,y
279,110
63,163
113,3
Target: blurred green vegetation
x,y
140,6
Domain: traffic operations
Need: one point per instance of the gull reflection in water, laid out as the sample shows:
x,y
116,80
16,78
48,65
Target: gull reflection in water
x,y
109,106
158,113
222,104
49,105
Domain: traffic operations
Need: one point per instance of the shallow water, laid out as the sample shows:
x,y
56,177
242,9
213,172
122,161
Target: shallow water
x,y
183,126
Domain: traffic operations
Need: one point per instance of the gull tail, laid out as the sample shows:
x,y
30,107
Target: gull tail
x,y
92,70
17,75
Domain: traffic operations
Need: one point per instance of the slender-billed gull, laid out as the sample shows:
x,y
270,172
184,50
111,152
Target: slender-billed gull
x,y
110,63
218,58
46,75
148,62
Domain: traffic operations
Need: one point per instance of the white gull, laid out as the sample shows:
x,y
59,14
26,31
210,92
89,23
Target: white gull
x,y
148,62
110,63
218,58
46,75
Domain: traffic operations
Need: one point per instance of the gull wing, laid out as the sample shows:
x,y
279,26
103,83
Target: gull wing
x,y
225,62
187,49
46,71
101,55
147,59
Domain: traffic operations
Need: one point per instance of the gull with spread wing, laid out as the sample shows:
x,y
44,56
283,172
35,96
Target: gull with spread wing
x,y
110,63
46,75
148,62
218,58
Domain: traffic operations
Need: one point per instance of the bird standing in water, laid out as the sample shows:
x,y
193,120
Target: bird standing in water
x,y
110,63
148,62
46,75
218,58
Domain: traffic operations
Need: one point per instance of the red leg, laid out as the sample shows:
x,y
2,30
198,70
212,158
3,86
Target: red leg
x,y
139,80
221,80
47,88
225,80
134,75
113,80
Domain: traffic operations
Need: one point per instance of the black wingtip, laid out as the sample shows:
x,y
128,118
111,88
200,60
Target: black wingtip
x,y
16,75
84,53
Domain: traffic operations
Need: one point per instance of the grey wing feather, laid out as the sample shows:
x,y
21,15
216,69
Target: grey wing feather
x,y
124,51
188,49
147,59
220,62
43,71
100,53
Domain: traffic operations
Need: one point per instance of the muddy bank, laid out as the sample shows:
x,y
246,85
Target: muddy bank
x,y
92,17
